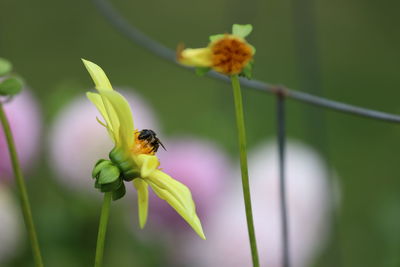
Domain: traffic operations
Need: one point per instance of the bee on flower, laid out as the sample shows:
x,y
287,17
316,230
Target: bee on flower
x,y
228,54
133,157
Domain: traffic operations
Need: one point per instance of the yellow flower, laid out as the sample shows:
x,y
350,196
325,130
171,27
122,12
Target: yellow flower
x,y
229,54
132,156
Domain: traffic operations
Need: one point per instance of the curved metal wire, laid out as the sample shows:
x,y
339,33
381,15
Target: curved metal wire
x,y
138,37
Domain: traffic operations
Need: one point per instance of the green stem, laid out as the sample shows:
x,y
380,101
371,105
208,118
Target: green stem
x,y
25,205
105,212
243,166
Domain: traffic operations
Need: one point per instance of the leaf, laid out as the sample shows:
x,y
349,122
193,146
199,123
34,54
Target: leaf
x,y
201,71
242,30
11,86
5,66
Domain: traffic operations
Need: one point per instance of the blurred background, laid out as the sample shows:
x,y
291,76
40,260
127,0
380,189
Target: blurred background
x,y
342,170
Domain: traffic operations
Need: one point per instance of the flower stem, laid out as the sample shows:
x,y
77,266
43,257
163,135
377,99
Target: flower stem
x,y
25,205
243,166
105,212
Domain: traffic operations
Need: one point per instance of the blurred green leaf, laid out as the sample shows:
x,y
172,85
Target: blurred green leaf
x,y
11,86
5,66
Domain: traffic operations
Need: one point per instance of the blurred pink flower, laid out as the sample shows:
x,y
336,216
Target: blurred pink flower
x,y
77,140
308,204
10,225
25,122
198,164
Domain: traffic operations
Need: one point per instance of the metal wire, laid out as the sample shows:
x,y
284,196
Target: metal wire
x,y
281,136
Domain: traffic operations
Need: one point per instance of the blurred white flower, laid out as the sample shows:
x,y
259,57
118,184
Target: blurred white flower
x,y
77,140
25,122
308,204
10,225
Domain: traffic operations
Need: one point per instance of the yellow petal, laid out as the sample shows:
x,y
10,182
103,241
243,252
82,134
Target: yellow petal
x,y
178,196
199,57
97,100
113,107
99,77
120,115
143,200
147,163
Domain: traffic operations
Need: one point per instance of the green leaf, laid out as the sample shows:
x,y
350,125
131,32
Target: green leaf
x,y
216,37
111,186
5,66
119,193
201,71
11,86
242,30
108,174
100,164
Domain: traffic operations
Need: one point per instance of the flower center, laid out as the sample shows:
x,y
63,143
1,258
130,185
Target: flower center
x,y
230,55
142,146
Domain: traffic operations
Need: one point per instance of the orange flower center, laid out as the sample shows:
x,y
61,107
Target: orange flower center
x,y
230,55
142,146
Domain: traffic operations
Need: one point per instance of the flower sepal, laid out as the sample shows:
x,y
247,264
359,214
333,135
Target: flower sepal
x,y
108,178
128,167
201,71
247,71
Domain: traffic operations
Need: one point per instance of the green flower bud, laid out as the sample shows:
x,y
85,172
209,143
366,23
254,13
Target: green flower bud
x,y
108,178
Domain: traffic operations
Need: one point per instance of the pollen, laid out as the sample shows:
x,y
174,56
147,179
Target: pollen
x,y
142,146
230,55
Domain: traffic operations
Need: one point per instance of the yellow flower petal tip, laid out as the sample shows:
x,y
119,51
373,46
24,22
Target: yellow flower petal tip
x,y
199,230
99,77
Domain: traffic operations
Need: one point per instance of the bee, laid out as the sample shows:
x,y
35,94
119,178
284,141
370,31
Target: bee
x,y
150,137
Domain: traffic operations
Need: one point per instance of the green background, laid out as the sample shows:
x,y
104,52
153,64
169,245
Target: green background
x,y
358,46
